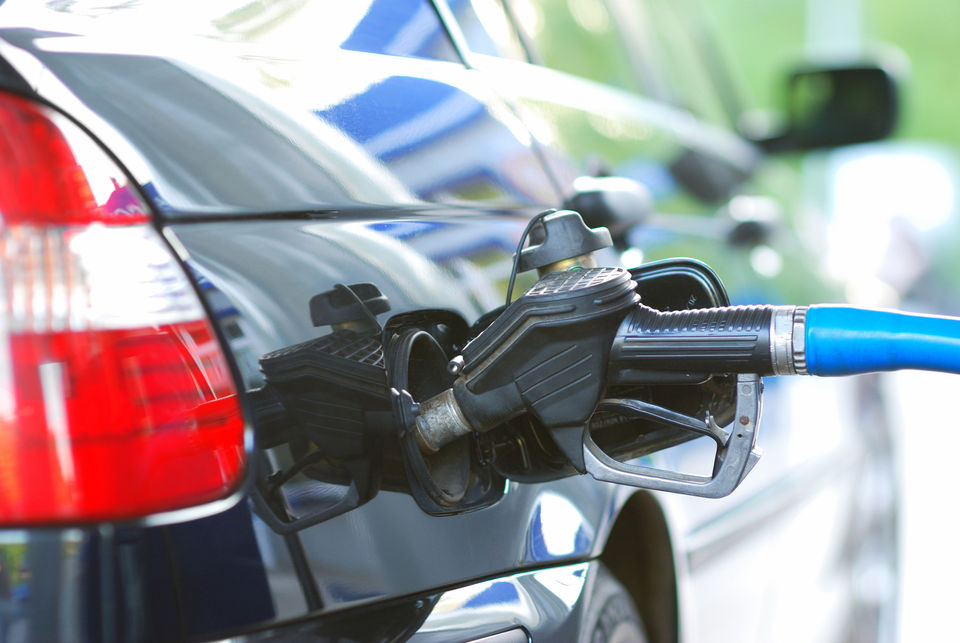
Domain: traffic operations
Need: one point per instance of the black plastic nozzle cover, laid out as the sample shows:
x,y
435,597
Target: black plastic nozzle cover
x,y
547,353
554,350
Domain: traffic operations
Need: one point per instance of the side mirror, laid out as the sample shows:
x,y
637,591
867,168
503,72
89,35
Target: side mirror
x,y
830,107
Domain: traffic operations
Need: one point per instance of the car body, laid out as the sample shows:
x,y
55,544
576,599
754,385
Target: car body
x,y
287,148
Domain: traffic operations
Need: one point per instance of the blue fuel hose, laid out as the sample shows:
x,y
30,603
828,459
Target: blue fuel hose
x,y
843,340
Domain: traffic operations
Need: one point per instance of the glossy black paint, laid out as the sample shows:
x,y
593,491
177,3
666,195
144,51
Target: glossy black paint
x,y
242,257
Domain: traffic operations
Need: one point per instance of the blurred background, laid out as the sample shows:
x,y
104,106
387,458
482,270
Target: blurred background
x,y
899,246
898,249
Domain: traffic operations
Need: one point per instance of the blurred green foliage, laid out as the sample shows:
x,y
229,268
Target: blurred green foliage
x,y
928,31
765,38
762,40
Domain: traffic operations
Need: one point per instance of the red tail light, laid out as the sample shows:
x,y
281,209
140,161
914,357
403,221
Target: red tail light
x,y
116,400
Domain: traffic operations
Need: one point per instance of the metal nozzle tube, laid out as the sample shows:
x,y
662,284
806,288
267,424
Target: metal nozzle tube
x,y
440,422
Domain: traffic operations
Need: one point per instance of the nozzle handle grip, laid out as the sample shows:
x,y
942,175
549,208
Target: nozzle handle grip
x,y
691,343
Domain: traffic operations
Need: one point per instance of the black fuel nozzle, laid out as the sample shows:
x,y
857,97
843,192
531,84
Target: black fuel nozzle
x,y
555,350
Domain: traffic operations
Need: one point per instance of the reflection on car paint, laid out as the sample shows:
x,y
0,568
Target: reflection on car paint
x,y
409,124
557,529
123,200
566,583
424,110
480,605
520,599
401,28
441,242
422,280
60,574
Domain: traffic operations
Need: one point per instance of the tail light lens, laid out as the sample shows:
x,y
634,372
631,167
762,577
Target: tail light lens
x,y
116,400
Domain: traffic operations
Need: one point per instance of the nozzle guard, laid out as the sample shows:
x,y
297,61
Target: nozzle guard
x,y
736,448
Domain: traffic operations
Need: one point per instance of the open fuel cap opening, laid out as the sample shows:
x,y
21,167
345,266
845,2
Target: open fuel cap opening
x,y
452,479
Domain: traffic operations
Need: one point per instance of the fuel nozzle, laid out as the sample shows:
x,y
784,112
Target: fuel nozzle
x,y
556,348
553,352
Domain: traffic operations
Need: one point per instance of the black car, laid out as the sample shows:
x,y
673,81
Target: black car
x,y
247,245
